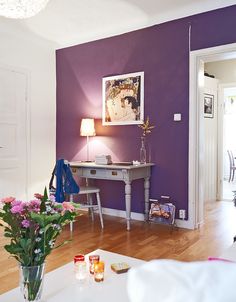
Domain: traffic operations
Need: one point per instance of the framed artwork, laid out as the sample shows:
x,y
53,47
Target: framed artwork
x,y
208,105
123,99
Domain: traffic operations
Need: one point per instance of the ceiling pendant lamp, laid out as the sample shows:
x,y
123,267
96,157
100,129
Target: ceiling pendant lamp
x,y
21,9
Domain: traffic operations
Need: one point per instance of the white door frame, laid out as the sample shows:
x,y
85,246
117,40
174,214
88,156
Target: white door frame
x,y
26,73
196,135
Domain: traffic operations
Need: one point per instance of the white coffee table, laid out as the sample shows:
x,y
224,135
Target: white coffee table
x,y
60,285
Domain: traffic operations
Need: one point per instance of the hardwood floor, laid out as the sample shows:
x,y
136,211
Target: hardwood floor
x,y
145,241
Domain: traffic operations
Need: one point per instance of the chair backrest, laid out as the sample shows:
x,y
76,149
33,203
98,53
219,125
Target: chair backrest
x,y
231,158
65,183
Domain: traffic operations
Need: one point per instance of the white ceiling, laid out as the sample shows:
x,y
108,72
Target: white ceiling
x,y
71,22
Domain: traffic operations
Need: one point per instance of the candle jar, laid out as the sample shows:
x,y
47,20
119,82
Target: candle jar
x,y
80,267
92,260
99,271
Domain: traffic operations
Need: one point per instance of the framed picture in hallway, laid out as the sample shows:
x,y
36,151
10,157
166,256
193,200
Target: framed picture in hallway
x,y
123,99
208,105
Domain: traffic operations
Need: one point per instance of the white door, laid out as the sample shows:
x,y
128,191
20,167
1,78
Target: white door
x,y
13,135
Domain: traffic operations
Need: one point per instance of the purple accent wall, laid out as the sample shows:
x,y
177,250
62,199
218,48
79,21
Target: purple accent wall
x,y
162,52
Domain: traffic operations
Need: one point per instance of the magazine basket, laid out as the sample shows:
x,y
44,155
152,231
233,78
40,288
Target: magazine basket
x,y
163,213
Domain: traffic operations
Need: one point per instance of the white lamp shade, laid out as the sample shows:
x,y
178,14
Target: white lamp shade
x,y
20,9
87,127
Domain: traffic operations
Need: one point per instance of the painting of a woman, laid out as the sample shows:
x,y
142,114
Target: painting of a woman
x,y
123,99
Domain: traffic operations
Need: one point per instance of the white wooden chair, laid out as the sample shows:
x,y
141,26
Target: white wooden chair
x,y
90,205
232,166
87,190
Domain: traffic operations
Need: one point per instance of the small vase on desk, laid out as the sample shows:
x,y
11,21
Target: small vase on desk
x,y
143,151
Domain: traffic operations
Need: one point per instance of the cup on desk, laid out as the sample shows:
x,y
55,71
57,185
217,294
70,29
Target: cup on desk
x,y
99,271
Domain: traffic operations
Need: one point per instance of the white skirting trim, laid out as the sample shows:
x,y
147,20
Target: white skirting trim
x,y
139,216
122,214
185,224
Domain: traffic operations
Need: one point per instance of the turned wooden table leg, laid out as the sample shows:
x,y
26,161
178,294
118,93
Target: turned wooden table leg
x,y
146,197
128,203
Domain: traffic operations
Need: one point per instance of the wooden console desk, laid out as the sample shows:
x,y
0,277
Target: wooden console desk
x,y
119,172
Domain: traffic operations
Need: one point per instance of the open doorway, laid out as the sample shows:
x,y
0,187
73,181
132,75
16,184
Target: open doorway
x,y
198,59
224,71
229,146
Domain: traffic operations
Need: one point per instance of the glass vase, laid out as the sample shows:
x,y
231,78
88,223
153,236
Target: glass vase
x,y
31,282
143,151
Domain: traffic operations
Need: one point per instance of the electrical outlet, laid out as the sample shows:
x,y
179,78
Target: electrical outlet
x,y
182,214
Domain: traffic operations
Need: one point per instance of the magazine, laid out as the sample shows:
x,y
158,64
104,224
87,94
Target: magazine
x,y
163,213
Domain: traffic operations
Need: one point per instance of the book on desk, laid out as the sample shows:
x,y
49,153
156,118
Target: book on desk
x,y
103,160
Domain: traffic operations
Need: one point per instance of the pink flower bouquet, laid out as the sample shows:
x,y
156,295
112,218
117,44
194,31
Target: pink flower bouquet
x,y
33,226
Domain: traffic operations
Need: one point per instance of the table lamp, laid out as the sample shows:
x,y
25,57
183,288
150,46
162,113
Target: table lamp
x,y
87,129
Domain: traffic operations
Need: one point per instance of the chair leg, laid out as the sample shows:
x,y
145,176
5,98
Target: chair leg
x,y
71,223
233,175
100,209
90,201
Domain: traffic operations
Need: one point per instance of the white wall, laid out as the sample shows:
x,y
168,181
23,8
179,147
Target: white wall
x,y
225,70
22,50
210,144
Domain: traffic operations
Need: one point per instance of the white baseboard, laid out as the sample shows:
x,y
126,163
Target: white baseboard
x,y
185,224
122,214
139,216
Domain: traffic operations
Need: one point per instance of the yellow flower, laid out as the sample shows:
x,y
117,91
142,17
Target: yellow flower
x,y
146,127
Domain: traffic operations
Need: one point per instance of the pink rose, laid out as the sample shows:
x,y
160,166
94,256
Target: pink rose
x,y
16,203
38,196
18,209
52,198
8,199
67,206
34,205
25,223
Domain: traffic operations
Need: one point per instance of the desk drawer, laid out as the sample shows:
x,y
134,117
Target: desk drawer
x,y
101,173
92,173
115,174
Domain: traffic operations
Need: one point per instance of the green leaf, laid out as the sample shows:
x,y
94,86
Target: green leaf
x,y
13,249
25,260
45,195
8,229
9,235
39,218
43,201
25,244
63,243
44,220
52,218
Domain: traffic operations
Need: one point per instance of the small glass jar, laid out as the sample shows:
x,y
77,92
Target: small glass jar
x,y
99,271
92,260
80,267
